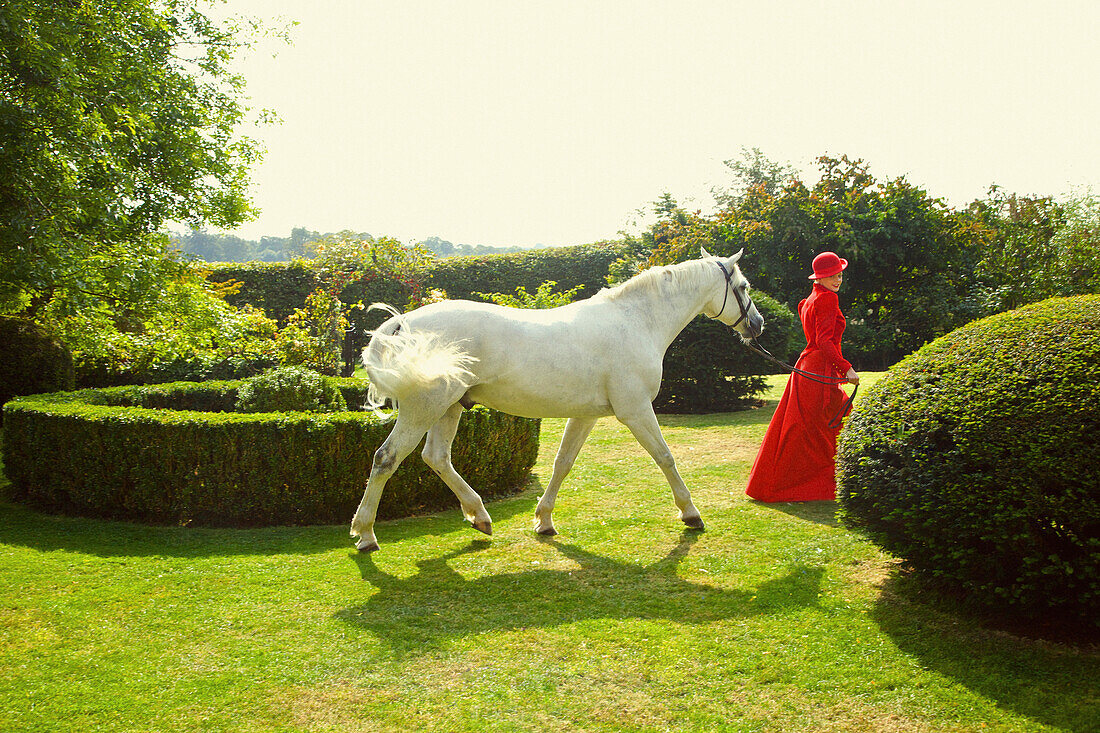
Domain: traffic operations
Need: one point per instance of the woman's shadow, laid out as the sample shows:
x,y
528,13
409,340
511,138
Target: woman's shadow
x,y
437,603
818,512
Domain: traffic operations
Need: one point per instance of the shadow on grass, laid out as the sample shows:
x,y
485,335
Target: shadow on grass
x,y
818,512
1029,677
24,527
437,603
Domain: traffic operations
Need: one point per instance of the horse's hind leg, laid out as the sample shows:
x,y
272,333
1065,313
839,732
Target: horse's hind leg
x,y
404,437
643,424
437,454
576,432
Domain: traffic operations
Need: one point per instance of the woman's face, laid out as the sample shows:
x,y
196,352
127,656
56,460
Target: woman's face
x,y
833,282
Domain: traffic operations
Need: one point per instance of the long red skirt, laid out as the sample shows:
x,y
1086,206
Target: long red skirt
x,y
797,460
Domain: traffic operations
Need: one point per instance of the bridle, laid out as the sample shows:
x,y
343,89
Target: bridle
x,y
753,345
726,295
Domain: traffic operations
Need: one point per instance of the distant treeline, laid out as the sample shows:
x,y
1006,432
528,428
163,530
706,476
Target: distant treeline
x,y
203,245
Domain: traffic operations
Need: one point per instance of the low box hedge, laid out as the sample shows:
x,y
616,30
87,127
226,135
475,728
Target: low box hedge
x,y
177,454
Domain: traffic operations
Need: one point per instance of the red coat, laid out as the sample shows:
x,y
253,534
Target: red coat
x,y
797,460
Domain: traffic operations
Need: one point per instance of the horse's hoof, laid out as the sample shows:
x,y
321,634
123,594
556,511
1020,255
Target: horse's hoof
x,y
549,532
483,527
694,522
367,546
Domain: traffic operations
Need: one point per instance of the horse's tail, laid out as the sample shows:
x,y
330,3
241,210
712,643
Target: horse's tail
x,y
400,360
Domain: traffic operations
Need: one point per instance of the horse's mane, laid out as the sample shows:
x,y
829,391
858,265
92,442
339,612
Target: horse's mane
x,y
656,280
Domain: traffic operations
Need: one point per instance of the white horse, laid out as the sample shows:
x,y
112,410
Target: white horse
x,y
589,359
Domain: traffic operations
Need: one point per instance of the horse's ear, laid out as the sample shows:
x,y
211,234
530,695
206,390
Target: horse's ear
x,y
703,251
737,256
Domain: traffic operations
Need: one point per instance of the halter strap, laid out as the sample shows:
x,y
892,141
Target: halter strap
x,y
726,293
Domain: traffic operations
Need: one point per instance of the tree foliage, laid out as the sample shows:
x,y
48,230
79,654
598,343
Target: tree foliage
x,y
1035,247
911,259
116,116
213,247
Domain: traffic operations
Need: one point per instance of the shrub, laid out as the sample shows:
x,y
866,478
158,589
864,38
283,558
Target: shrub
x,y
107,453
314,335
190,368
290,389
706,369
544,297
30,361
281,288
974,459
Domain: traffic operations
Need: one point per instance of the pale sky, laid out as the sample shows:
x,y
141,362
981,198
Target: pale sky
x,y
505,122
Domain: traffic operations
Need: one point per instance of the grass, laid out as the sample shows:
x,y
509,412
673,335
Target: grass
x,y
773,619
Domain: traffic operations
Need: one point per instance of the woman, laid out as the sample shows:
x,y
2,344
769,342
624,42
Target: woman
x,y
796,461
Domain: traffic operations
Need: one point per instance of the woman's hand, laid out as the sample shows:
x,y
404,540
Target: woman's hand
x,y
852,377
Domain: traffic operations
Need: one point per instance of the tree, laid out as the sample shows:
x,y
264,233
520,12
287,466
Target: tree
x,y
912,259
1017,247
1077,247
1036,248
754,171
116,116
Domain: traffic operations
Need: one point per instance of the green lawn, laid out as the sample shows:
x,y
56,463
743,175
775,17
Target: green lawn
x,y
773,619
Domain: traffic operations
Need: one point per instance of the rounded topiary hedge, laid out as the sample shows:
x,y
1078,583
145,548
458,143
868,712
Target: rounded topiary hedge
x,y
290,389
975,460
177,454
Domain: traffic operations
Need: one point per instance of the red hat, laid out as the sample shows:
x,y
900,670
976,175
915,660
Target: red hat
x,y
827,264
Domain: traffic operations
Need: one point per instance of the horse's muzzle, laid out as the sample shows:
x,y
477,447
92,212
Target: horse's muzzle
x,y
755,326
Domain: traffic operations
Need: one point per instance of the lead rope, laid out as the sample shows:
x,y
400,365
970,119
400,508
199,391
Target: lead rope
x,y
836,420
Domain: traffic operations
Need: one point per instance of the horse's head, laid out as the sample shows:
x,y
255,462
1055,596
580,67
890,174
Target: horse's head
x,y
731,303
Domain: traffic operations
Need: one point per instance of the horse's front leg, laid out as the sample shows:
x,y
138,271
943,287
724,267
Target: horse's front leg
x,y
642,422
404,437
576,432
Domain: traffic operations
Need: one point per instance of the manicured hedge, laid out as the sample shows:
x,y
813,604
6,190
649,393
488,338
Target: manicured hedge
x,y
280,287
275,287
142,454
975,460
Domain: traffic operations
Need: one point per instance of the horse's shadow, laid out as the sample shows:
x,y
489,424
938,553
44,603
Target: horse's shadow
x,y
437,603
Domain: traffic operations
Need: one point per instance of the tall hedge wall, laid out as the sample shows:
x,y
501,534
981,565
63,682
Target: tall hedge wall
x,y
276,287
149,454
585,264
280,287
